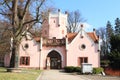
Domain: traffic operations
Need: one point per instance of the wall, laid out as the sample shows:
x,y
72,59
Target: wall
x,y
32,51
46,50
74,50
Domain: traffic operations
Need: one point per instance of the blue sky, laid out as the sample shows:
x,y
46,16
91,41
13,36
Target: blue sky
x,y
96,12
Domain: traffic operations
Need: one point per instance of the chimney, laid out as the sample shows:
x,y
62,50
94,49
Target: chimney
x,y
81,25
66,12
94,30
58,10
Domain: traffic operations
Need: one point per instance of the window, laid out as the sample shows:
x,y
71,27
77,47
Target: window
x,y
26,46
82,60
25,61
83,46
85,60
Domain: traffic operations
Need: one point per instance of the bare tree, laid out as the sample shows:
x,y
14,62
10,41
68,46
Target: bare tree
x,y
74,19
102,33
4,39
21,16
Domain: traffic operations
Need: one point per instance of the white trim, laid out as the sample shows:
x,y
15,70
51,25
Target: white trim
x,y
56,51
83,32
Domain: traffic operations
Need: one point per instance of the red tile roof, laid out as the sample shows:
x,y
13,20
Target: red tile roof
x,y
93,36
71,36
37,39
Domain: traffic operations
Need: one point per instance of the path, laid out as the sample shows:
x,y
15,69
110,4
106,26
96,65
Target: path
x,y
59,75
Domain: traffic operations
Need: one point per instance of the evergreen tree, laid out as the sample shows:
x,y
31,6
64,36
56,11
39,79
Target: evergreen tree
x,y
117,26
114,55
109,30
109,33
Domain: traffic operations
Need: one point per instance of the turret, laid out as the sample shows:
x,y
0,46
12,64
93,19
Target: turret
x,y
55,26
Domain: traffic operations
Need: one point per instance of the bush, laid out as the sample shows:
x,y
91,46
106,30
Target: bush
x,y
77,69
71,69
97,70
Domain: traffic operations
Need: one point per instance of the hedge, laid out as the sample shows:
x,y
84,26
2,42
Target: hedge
x,y
71,69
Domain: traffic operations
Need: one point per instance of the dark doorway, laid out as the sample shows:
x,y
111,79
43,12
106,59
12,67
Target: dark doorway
x,y
55,60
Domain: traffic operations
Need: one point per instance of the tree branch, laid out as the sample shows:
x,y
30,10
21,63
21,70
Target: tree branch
x,y
8,5
26,7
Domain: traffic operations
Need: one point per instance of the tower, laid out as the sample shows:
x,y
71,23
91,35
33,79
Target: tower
x,y
55,26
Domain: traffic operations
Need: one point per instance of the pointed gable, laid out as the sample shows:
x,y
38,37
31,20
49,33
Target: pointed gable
x,y
92,35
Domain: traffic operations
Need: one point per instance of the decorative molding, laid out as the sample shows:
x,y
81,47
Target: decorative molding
x,y
53,49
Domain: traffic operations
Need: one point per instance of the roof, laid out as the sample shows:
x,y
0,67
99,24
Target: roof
x,y
93,36
71,36
37,39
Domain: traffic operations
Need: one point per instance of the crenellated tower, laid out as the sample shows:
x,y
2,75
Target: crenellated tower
x,y
55,26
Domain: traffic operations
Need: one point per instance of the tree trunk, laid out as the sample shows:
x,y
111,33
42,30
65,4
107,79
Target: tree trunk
x,y
14,56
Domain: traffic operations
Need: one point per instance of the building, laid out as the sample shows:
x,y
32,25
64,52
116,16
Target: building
x,y
56,48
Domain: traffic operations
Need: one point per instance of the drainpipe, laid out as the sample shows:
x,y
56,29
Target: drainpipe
x,y
99,48
66,42
66,45
40,52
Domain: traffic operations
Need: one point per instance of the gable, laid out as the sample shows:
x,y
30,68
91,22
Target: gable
x,y
91,35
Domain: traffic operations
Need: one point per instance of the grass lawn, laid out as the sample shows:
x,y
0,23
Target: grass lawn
x,y
26,74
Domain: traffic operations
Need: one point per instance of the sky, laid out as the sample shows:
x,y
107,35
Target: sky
x,y
95,12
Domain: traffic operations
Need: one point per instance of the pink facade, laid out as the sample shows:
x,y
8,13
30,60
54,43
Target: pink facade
x,y
56,48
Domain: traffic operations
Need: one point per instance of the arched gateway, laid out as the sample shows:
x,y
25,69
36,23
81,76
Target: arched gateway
x,y
53,60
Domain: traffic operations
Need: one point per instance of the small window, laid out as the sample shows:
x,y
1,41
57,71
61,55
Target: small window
x,y
25,61
26,46
82,60
85,60
83,46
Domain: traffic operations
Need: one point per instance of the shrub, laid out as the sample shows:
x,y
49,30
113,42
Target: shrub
x,y
97,70
69,69
77,69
